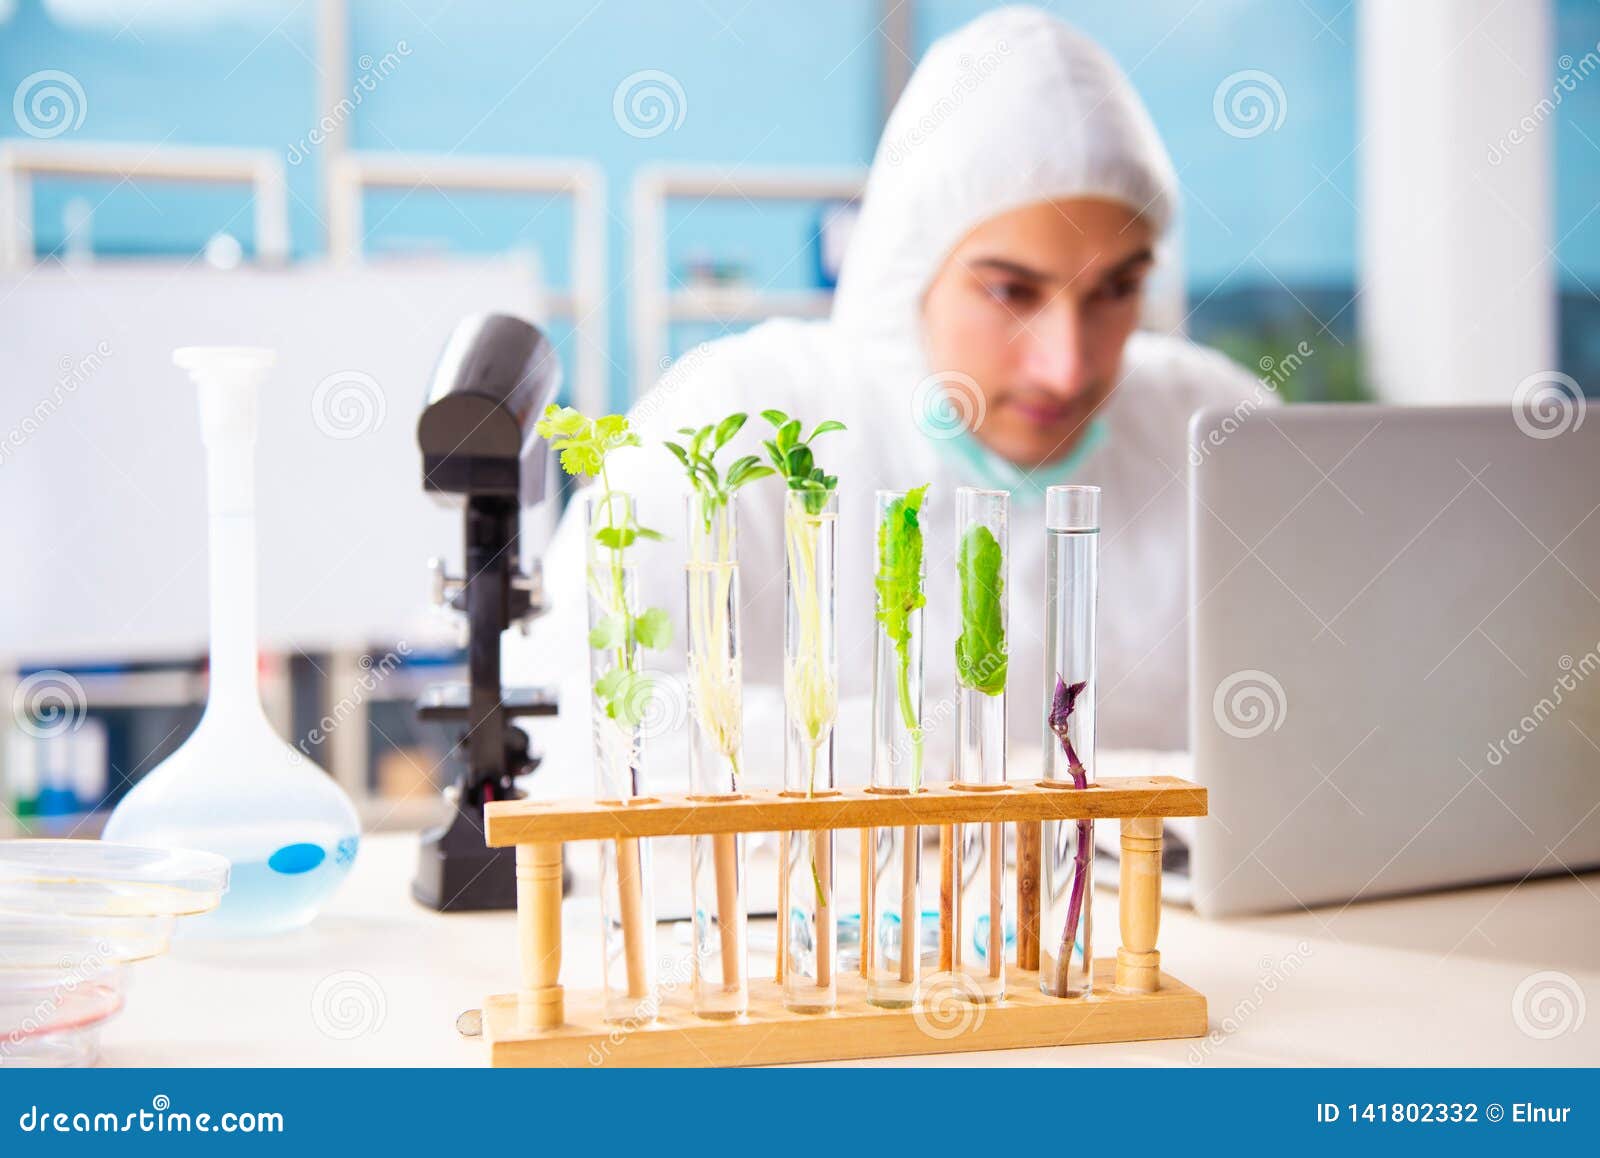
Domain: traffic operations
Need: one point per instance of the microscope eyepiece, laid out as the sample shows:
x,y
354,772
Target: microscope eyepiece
x,y
476,433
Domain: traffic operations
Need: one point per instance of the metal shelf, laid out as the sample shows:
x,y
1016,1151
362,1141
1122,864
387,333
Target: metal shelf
x,y
655,308
743,304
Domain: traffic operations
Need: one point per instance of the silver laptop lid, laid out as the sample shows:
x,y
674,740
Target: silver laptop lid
x,y
1394,650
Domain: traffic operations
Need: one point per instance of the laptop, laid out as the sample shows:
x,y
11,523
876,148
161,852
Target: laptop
x,y
1394,650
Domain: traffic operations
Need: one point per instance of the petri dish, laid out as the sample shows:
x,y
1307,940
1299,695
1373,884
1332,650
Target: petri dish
x,y
53,1017
67,941
98,878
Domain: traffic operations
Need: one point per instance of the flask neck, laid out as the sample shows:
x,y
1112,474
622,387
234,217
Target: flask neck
x,y
232,577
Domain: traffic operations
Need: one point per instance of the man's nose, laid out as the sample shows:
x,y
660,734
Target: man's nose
x,y
1054,359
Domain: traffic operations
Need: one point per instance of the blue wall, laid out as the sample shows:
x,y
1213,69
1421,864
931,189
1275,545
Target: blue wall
x,y
763,83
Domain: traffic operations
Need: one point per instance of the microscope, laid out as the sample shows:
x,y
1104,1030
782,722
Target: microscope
x,y
480,452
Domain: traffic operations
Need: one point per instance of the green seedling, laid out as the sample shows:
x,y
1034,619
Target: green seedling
x,y
584,444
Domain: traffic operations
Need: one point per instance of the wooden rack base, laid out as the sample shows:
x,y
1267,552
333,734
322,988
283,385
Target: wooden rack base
x,y
542,1024
770,1034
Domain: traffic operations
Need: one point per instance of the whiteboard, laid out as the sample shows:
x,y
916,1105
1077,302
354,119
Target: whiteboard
x,y
102,497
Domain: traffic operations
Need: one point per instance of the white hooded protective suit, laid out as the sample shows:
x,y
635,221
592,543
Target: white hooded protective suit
x,y
1012,109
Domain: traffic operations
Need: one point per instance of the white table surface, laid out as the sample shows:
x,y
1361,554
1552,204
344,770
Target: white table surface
x,y
379,981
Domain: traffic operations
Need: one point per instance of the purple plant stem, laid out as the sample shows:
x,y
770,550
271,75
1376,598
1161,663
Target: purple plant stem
x,y
1080,872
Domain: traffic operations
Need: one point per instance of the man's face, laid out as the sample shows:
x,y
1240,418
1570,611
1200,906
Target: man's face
x,y
1035,306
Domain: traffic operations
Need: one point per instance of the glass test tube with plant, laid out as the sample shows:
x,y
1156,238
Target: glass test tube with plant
x,y
977,851
1072,526
716,739
807,937
622,693
891,941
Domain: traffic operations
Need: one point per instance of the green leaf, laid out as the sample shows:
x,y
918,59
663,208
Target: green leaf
x,y
580,459
899,589
610,426
981,647
747,470
678,453
629,700
606,685
610,632
647,533
899,579
616,538
560,422
793,459
653,629
583,444
726,429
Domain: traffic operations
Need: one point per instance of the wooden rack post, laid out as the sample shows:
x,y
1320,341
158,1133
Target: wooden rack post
x,y
1030,844
537,1026
1138,961
539,1001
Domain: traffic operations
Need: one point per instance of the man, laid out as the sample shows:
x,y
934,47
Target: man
x,y
982,335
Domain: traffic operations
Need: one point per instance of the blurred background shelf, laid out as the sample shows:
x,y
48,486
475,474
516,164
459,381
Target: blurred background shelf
x,y
737,304
80,736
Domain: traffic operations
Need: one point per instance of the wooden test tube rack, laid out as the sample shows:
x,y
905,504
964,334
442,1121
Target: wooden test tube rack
x,y
1133,1000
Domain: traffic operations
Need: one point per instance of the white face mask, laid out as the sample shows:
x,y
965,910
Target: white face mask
x,y
988,469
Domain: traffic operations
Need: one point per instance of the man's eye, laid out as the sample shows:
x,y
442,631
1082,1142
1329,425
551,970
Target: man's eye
x,y
1012,293
1118,291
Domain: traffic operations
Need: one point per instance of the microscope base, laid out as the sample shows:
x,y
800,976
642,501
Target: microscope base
x,y
458,873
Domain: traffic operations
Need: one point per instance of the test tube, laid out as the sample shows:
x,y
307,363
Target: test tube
x,y
979,851
808,934
1072,528
890,925
627,894
716,747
